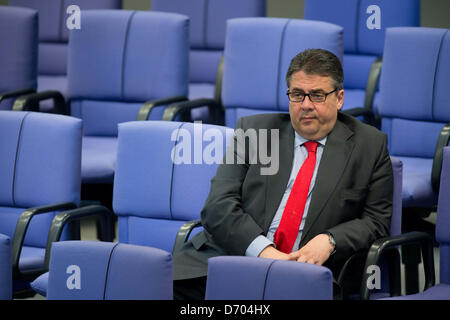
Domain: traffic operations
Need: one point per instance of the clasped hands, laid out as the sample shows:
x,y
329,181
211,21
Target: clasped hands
x,y
316,251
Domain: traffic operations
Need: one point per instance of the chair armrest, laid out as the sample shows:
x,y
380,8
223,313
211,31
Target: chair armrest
x,y
365,112
147,107
61,219
215,111
380,246
17,93
436,169
372,83
184,232
22,226
30,102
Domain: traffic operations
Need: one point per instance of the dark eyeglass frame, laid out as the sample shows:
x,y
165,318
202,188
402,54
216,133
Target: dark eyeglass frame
x,y
288,93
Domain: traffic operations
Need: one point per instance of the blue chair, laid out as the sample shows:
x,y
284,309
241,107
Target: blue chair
x,y
431,291
415,109
94,270
257,55
162,180
414,112
249,278
40,160
207,38
19,54
5,268
365,23
53,39
117,61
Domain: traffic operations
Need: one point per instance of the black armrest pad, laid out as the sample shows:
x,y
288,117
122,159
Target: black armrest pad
x,y
16,93
61,219
147,107
177,108
442,142
22,226
30,102
184,232
380,246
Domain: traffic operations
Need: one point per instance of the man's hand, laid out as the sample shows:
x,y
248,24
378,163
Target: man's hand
x,y
272,253
316,251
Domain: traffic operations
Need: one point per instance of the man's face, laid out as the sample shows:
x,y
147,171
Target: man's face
x,y
314,120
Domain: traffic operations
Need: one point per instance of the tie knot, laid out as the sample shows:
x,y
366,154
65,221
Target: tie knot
x,y
311,146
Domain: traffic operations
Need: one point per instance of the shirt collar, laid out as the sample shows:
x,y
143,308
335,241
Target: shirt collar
x,y
299,140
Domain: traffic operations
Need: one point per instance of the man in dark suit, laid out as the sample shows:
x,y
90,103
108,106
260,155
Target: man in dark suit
x,y
348,203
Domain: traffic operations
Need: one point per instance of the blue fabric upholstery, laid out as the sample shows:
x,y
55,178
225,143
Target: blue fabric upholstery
x,y
5,268
412,108
117,61
105,273
150,193
19,54
440,291
207,38
257,55
249,278
40,164
362,44
54,36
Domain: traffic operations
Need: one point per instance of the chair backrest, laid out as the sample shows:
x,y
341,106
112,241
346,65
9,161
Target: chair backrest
x,y
443,219
53,31
19,53
162,177
250,278
93,270
414,89
207,29
120,59
5,268
365,23
40,164
258,52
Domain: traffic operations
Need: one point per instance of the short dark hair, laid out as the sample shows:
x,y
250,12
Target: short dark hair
x,y
318,62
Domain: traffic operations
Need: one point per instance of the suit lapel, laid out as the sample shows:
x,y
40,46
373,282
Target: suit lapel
x,y
334,160
276,184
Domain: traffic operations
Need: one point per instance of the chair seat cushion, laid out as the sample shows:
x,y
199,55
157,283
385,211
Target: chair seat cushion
x,y
438,292
417,190
98,159
31,258
40,284
200,90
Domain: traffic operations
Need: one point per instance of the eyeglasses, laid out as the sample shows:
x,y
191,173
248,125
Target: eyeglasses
x,y
298,96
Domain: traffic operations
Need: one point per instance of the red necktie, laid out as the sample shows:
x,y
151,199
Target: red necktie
x,y
287,231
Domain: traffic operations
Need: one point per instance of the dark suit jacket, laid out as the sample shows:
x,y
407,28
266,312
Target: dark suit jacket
x,y
352,196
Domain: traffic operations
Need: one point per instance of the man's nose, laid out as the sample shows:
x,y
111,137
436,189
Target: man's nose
x,y
307,104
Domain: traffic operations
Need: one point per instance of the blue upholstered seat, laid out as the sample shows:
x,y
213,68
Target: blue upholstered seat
x,y
88,270
154,194
53,39
118,61
162,179
19,53
5,268
40,164
413,104
207,38
363,38
439,291
250,278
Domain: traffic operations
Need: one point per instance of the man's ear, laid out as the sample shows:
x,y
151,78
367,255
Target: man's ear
x,y
340,99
